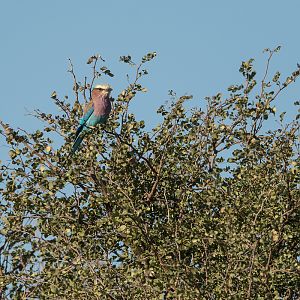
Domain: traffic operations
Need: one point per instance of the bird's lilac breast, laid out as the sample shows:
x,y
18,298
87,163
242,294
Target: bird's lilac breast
x,y
102,106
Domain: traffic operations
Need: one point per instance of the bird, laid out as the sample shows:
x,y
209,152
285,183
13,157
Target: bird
x,y
95,112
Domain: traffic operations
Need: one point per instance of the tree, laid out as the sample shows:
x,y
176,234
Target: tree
x,y
203,206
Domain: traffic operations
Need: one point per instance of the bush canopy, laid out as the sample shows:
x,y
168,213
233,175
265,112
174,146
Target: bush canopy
x,y
203,206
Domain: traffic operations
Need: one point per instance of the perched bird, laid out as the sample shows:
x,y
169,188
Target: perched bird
x,y
95,112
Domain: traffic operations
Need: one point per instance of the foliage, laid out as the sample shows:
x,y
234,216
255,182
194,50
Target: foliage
x,y
203,206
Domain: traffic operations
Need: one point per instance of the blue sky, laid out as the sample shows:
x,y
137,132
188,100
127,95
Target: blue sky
x,y
200,45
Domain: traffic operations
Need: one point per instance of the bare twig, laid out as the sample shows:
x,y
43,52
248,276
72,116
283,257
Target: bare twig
x,y
75,88
266,73
95,73
84,94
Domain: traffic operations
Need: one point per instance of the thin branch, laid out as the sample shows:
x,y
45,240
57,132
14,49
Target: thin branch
x,y
85,86
75,88
250,279
154,187
266,73
95,73
134,150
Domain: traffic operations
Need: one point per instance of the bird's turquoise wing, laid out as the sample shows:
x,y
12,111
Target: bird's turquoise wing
x,y
94,120
86,116
83,120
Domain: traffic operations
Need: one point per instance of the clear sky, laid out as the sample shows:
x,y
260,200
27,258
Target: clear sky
x,y
200,45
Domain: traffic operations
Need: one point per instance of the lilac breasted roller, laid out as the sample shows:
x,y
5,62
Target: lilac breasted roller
x,y
95,112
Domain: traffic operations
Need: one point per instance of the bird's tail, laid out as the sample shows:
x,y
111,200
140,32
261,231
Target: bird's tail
x,y
76,144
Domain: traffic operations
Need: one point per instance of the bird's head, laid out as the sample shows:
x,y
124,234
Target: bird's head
x,y
103,89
